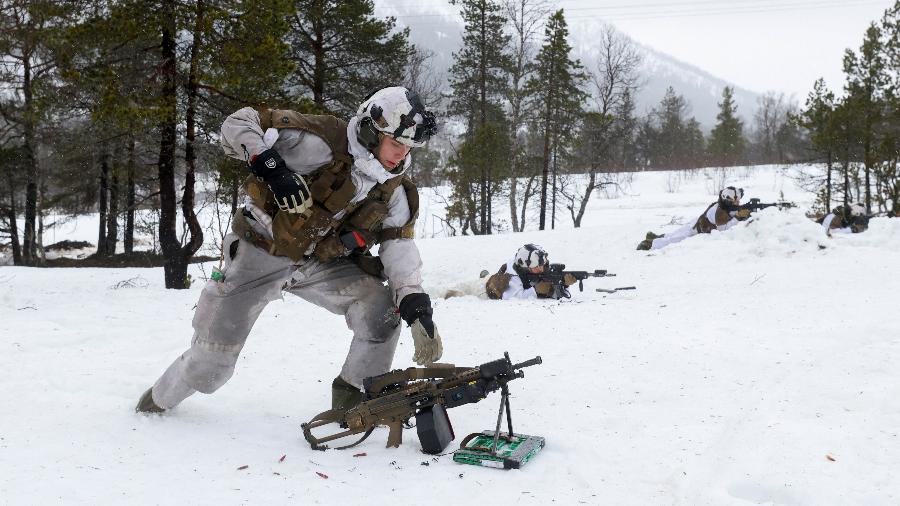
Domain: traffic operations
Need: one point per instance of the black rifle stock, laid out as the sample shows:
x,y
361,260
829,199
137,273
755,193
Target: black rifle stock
x,y
556,274
394,398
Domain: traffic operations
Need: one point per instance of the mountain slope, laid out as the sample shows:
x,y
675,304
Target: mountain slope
x,y
439,27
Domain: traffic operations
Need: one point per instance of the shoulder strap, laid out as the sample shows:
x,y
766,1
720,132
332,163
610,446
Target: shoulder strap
x,y
408,229
331,129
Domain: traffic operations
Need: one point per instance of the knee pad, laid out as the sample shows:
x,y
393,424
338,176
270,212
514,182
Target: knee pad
x,y
372,317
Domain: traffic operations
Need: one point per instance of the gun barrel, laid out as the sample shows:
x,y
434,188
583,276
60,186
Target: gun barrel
x,y
528,363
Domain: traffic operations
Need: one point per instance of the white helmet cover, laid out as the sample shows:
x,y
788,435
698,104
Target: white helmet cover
x,y
399,113
530,256
857,210
731,195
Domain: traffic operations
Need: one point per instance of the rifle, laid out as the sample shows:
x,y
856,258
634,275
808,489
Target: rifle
x,y
556,274
425,393
755,205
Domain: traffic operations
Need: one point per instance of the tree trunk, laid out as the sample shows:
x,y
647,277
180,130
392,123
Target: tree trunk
x,y
13,225
29,242
828,185
868,188
592,181
128,238
846,167
235,187
526,195
514,218
482,120
41,257
175,267
112,217
102,205
195,240
545,172
318,84
553,194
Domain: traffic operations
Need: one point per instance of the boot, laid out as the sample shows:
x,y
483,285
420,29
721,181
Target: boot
x,y
344,395
651,236
645,245
146,404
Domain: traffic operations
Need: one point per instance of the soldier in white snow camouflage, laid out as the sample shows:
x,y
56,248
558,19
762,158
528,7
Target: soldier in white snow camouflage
x,y
322,192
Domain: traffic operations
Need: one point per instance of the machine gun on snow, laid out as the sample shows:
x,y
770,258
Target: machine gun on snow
x,y
425,393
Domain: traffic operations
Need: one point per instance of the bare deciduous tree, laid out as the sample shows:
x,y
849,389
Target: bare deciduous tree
x,y
616,79
772,114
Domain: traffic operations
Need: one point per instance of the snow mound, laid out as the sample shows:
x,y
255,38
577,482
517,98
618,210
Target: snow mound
x,y
473,287
774,232
882,233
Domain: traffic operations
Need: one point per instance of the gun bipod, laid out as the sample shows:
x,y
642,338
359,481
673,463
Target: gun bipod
x,y
497,449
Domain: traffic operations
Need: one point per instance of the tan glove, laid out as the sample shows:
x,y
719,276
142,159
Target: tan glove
x,y
428,348
543,288
415,309
569,280
742,214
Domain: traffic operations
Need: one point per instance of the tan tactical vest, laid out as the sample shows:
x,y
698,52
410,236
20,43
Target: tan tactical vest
x,y
704,226
498,283
317,232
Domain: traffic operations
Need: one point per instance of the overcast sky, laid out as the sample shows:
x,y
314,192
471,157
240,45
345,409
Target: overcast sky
x,y
760,45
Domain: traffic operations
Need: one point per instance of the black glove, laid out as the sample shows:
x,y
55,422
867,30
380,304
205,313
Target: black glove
x,y
291,193
415,308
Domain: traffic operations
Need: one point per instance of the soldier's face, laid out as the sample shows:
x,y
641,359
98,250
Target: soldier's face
x,y
390,152
537,270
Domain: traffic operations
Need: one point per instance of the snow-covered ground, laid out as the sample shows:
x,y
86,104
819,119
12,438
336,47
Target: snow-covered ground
x,y
755,366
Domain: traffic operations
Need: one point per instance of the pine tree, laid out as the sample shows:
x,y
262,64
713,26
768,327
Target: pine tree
x,y
626,133
479,82
489,143
889,149
195,70
667,139
845,124
12,168
726,143
694,147
817,118
28,69
672,115
866,82
556,95
342,52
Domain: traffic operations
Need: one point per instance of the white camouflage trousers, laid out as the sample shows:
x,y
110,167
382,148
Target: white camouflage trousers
x,y
679,235
227,311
